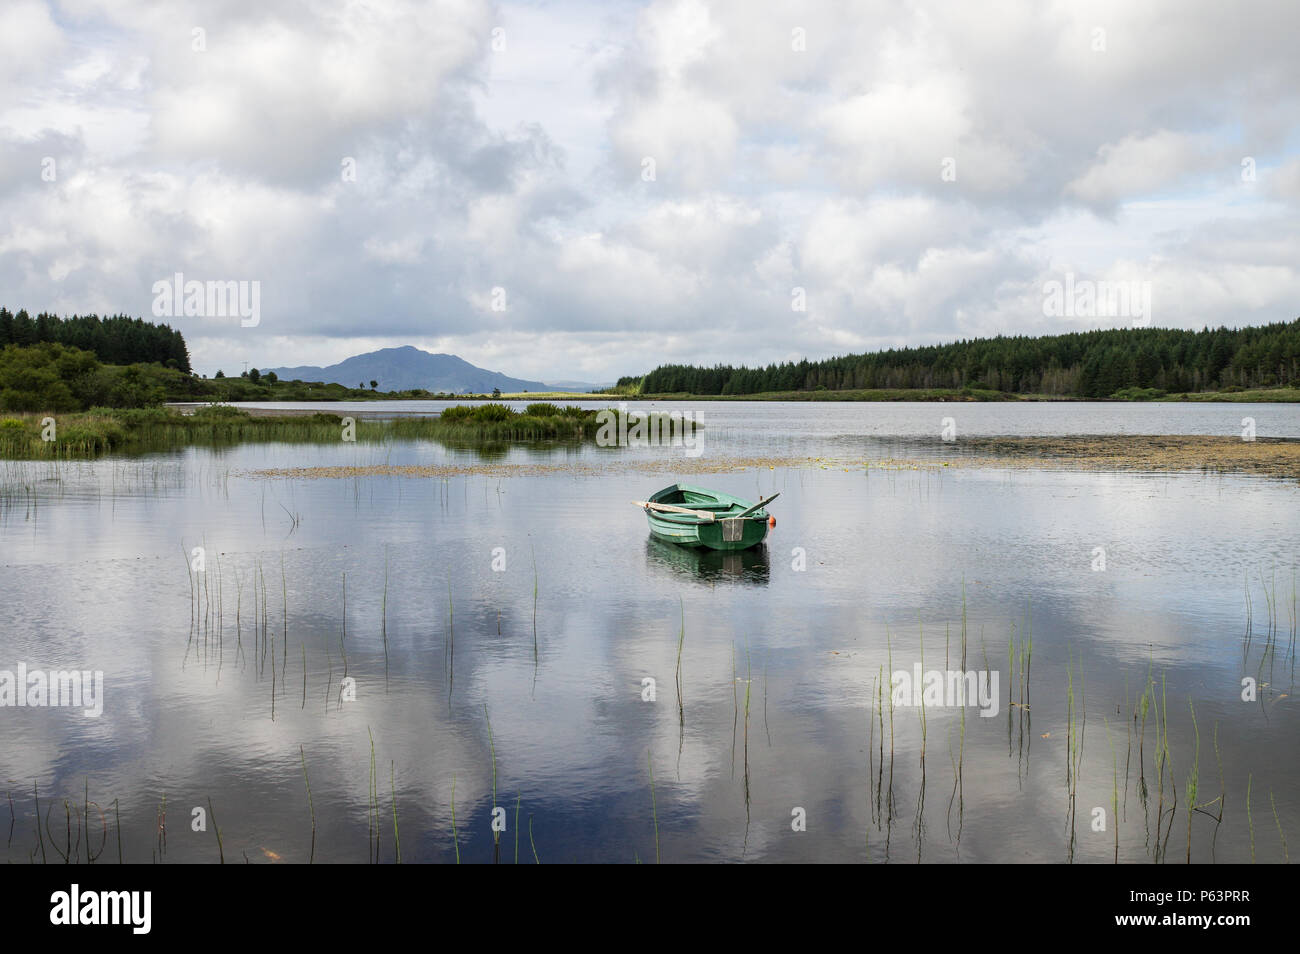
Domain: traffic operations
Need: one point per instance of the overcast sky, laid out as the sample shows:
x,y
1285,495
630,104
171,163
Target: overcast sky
x,y
646,182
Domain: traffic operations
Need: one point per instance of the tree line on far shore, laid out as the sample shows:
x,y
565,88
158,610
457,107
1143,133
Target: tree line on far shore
x,y
116,339
1092,364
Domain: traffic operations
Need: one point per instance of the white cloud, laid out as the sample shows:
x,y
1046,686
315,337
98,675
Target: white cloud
x,y
30,43
1139,165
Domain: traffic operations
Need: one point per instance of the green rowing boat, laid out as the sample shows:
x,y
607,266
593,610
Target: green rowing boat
x,y
695,517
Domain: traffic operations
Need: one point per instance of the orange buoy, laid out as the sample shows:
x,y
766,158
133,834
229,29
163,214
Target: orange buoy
x,y
771,522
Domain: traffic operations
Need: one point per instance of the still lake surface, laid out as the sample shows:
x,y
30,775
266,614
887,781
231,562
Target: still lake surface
x,y
538,603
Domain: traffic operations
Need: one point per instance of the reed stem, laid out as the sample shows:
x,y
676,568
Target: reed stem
x,y
302,754
654,807
397,841
455,837
221,851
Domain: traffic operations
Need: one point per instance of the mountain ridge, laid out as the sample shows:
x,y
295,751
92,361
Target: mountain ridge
x,y
408,368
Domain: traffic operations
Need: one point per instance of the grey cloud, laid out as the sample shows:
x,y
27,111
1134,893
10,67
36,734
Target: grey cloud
x,y
23,162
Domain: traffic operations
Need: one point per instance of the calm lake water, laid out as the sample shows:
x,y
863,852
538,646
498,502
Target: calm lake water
x,y
499,632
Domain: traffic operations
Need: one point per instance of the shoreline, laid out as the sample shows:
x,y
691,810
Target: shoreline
x,y
856,396
318,407
1276,458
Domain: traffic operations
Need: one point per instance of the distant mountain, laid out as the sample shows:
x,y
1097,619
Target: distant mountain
x,y
407,368
578,386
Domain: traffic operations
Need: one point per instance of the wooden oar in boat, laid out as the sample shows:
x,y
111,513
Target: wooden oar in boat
x,y
669,508
757,506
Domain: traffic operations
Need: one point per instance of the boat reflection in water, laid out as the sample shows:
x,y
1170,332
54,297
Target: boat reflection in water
x,y
709,566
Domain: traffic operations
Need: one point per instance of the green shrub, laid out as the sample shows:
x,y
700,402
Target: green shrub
x,y
478,414
220,412
543,409
1137,394
132,418
457,413
491,412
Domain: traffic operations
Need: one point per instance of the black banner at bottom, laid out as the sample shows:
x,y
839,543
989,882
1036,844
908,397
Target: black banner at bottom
x,y
337,903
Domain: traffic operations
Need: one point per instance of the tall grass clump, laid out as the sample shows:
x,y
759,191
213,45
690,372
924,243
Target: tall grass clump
x,y
492,421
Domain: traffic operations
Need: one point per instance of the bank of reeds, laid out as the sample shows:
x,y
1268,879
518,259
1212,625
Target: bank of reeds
x,y
143,430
